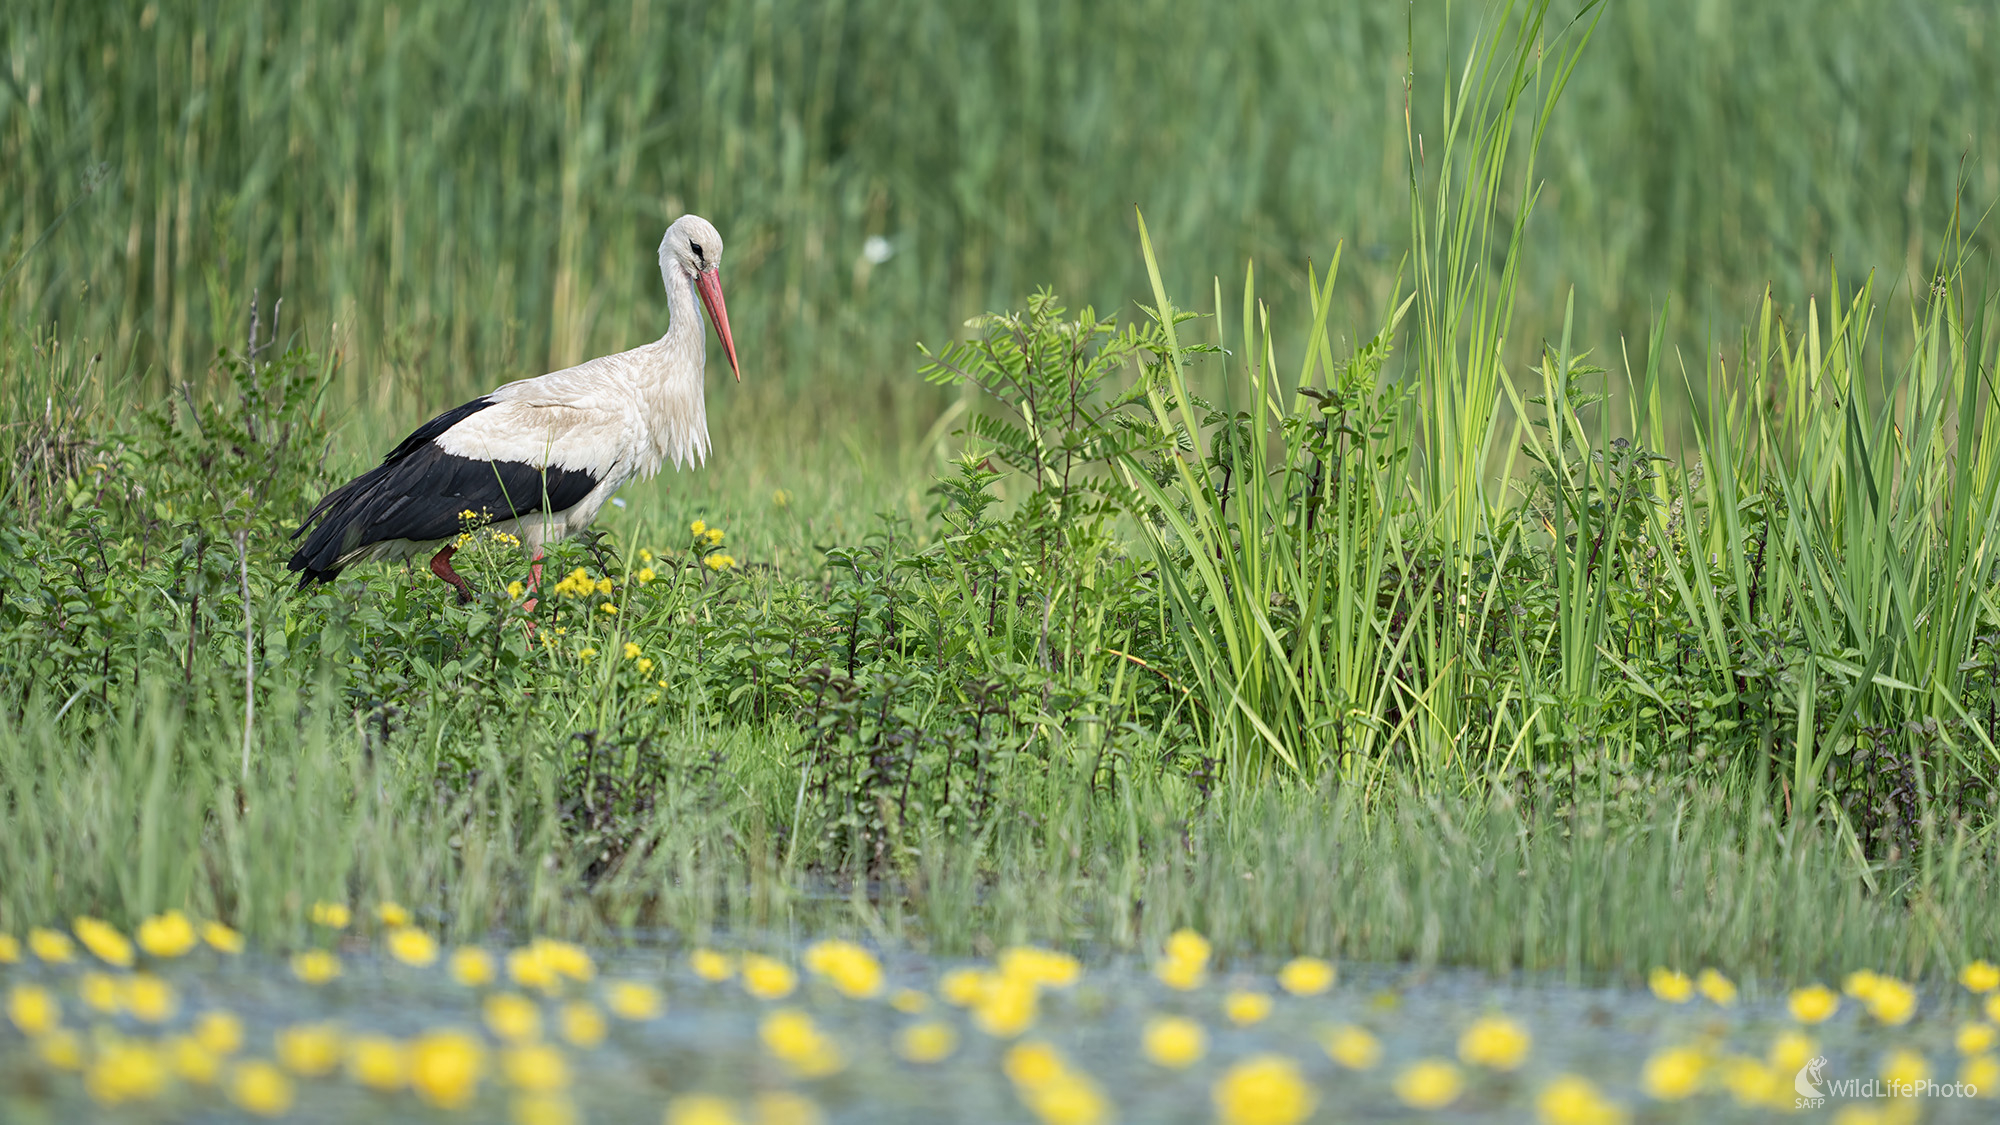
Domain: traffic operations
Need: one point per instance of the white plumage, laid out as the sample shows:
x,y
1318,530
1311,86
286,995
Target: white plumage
x,y
539,457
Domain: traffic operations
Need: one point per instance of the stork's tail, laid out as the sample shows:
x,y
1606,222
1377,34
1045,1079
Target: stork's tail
x,y
331,533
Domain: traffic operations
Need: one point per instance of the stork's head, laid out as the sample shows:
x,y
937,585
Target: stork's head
x,y
693,250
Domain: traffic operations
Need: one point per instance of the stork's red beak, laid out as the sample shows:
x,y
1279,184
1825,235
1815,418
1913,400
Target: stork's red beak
x,y
709,284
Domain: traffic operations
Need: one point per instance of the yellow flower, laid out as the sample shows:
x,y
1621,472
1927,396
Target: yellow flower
x,y
909,1001
470,966
515,589
1174,1042
221,938
1245,1008
645,575
219,1031
377,1062
608,607
1306,976
719,562
791,1036
781,498
1790,1051
192,1061
1574,1100
1352,1047
581,1023
332,915
1670,985
1046,968
767,979
392,915
536,1067
1052,1091
710,965
1496,1042
149,999
52,946
1673,1074
260,1088
1904,1068
33,1009
1892,1002
1752,1083
605,585
1980,976
701,1109
698,527
1993,1008
126,1071
1032,1064
784,1107
645,556
1719,989
632,651
60,1048
1263,1090
1429,1084
714,535
1187,945
1860,984
927,1041
1975,1038
309,1050
10,949
634,1000
1008,1008
107,943
167,935
544,1109
1815,1003
1982,1073
852,969
412,946
100,992
965,986
1185,976
315,966
512,1017
445,1067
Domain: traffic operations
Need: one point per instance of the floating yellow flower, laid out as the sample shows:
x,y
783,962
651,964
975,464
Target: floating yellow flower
x,y
544,1109
1860,984
1053,1091
315,966
1752,1083
1575,1100
192,1061
110,946
392,915
1174,1042
1982,1073
34,1010
126,1071
1975,1038
1185,976
10,949
1673,1074
1306,976
1993,1009
1032,1063
1891,1001
531,967
1495,1042
221,938
332,915
100,992
1244,1007
851,969
149,999
61,1049
1009,1007
260,1088
1815,1003
785,1107
1352,1047
1670,985
1790,1050
1429,1084
309,1050
634,1000
1045,968
445,1067
767,978
52,946
412,946
219,1031
535,1067
377,1062
701,1109
965,986
470,966
791,1036
909,1001
512,1017
1720,990
1263,1090
1903,1070
927,1041
710,965
1980,976
167,935
581,1023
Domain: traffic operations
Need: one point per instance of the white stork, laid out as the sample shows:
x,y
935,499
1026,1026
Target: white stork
x,y
537,458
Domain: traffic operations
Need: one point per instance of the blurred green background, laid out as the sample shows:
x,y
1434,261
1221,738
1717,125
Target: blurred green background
x,y
459,194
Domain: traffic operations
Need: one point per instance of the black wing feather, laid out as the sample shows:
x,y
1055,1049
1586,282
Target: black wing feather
x,y
420,492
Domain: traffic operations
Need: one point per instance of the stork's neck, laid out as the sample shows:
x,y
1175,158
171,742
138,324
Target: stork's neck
x,y
673,391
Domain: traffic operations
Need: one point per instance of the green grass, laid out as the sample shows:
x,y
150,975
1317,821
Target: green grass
x,y
1363,614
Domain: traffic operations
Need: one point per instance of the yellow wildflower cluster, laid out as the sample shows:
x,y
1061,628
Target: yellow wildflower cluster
x,y
1005,1001
1263,1090
1888,1000
579,584
772,1107
1174,1042
1053,1090
1306,976
1185,966
927,1041
1670,985
1495,1042
767,978
847,966
710,965
547,964
167,935
719,562
1352,1047
1429,1084
1574,1100
1244,1007
791,1036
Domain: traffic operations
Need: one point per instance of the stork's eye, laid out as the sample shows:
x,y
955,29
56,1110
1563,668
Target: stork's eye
x,y
697,250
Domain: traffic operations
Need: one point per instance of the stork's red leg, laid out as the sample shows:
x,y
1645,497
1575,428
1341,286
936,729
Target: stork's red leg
x,y
441,566
534,582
